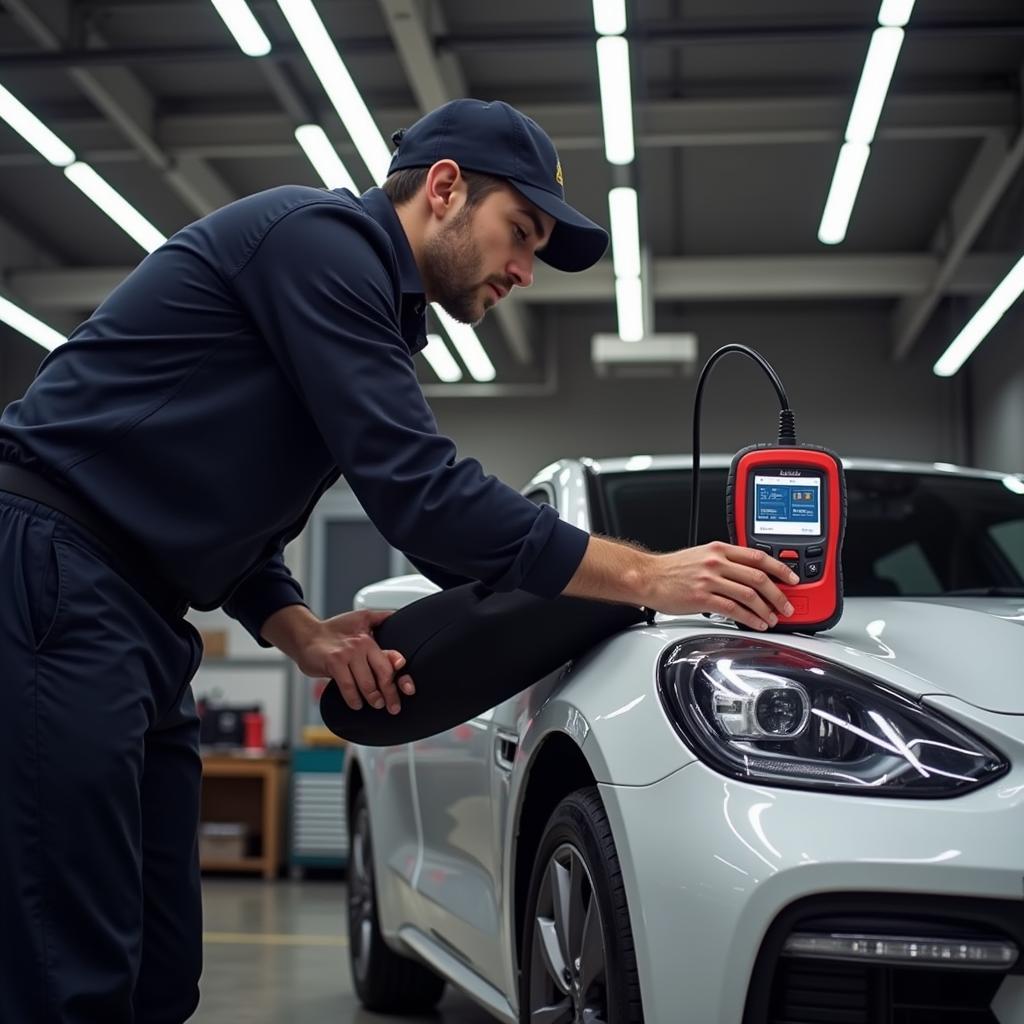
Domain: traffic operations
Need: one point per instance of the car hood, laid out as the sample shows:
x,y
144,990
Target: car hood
x,y
966,647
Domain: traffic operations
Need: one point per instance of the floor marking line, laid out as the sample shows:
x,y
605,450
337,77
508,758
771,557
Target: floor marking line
x,y
272,939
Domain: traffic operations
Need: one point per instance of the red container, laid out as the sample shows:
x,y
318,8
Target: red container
x,y
252,723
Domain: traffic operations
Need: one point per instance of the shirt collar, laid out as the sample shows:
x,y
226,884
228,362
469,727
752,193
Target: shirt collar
x,y
414,305
414,322
376,203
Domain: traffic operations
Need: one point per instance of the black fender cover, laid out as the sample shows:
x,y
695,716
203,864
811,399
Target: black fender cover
x,y
468,649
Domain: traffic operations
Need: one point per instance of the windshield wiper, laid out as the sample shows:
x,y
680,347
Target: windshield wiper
x,y
985,592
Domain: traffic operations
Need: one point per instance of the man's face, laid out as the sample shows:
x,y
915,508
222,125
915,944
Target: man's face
x,y
478,254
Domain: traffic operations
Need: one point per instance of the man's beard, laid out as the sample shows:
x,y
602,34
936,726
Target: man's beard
x,y
451,261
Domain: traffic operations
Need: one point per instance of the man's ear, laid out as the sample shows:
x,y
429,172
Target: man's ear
x,y
443,185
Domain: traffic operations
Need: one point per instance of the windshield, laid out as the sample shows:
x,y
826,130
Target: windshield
x,y
907,534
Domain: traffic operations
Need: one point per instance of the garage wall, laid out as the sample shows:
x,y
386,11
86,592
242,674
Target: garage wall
x,y
834,364
997,394
19,360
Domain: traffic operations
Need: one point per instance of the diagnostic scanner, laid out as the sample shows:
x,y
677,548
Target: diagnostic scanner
x,y
789,501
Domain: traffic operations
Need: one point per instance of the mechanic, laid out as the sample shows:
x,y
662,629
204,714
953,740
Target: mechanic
x,y
164,456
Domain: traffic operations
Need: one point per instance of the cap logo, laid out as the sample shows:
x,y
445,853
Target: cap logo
x,y
558,174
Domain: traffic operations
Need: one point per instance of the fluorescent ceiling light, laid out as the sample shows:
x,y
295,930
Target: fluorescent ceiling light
x,y
883,51
843,193
324,157
337,82
616,98
33,131
874,84
442,362
629,301
610,17
625,224
1004,295
895,13
243,25
115,206
467,344
24,322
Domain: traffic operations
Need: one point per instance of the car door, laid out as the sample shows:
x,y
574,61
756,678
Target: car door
x,y
462,786
388,775
461,778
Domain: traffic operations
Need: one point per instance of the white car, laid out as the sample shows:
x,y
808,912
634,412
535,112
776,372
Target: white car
x,y
699,823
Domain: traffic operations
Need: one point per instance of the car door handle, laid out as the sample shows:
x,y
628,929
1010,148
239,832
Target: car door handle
x,y
505,746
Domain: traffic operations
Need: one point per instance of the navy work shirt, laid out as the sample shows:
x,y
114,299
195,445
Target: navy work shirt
x,y
225,384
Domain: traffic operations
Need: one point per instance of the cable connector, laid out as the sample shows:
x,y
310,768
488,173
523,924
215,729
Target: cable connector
x,y
787,428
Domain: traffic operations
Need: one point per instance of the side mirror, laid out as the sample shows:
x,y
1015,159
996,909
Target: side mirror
x,y
395,593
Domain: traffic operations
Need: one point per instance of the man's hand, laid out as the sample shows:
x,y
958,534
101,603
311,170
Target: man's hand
x,y
342,648
724,578
718,577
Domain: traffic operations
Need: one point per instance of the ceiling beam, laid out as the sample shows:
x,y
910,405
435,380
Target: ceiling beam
x,y
995,165
825,276
662,33
17,249
698,279
434,82
125,102
267,133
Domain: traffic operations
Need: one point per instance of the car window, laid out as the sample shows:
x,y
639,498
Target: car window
x,y
907,571
653,507
1008,537
907,533
539,497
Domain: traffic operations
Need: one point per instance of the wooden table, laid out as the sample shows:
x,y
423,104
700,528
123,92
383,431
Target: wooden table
x,y
249,789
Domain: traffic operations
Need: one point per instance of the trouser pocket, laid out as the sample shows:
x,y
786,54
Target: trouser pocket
x,y
27,547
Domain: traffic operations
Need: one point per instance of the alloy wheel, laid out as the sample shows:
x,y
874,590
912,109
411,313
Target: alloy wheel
x,y
568,963
360,896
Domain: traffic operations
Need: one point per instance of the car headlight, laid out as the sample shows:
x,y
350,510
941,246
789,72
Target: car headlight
x,y
766,713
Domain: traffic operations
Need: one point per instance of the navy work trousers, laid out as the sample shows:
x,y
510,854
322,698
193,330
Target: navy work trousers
x,y
100,914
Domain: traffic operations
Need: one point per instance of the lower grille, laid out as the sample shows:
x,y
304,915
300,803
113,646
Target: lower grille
x,y
804,984
813,992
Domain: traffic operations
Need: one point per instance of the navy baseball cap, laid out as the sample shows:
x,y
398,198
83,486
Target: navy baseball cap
x,y
496,139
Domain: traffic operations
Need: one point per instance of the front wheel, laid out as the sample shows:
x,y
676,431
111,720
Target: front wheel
x,y
384,981
578,957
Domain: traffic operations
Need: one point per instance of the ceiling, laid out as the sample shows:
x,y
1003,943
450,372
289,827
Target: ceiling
x,y
739,108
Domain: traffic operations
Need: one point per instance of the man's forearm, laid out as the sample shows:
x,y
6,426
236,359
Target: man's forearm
x,y
739,582
612,571
290,628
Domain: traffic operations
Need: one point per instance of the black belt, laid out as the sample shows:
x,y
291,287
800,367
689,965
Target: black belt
x,y
124,556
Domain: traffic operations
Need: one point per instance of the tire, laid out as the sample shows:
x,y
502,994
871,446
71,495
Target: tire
x,y
593,976
385,982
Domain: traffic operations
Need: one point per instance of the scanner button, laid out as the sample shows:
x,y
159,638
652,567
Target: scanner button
x,y
812,570
766,548
783,555
814,552
794,565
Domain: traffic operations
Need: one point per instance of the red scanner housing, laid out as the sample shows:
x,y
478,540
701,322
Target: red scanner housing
x,y
790,501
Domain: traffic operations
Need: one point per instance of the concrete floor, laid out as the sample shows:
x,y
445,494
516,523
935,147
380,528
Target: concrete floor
x,y
277,953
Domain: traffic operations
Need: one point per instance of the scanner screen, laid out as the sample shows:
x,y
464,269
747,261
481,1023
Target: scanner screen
x,y
787,505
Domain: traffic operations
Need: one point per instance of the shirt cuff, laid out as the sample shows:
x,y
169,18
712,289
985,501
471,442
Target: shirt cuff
x,y
557,561
255,601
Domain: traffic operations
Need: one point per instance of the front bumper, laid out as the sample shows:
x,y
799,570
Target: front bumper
x,y
709,864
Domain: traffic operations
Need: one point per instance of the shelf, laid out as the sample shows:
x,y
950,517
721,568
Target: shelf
x,y
239,864
250,790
